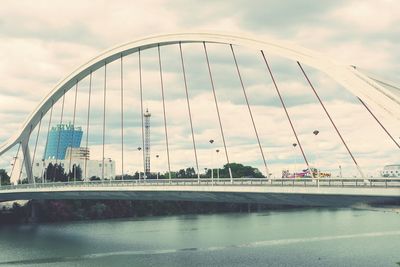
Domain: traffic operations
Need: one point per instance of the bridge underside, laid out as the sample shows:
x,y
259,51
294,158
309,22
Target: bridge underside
x,y
334,197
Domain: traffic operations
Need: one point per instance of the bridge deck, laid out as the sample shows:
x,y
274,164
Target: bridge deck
x,y
305,192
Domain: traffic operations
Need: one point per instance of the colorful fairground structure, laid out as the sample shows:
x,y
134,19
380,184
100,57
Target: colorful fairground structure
x,y
306,174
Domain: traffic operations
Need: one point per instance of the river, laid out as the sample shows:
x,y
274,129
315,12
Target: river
x,y
299,237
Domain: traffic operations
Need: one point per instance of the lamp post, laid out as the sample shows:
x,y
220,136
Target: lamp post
x,y
316,132
217,164
212,157
74,172
157,156
43,171
139,148
12,165
295,160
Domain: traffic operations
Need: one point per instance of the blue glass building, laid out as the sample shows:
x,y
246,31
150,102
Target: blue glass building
x,y
60,138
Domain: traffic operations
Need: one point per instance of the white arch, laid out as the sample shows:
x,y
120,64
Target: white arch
x,y
354,81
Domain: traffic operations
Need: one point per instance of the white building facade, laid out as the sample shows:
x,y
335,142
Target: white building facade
x,y
391,170
78,156
94,168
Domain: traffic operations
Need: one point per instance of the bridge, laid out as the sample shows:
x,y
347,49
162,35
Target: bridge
x,y
113,118
299,192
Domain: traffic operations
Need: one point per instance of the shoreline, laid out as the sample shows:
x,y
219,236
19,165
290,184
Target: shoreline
x,y
55,211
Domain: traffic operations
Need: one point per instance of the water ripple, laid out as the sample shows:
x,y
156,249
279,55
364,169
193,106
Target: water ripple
x,y
277,242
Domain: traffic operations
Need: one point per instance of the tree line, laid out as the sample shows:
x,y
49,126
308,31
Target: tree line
x,y
56,173
238,171
53,173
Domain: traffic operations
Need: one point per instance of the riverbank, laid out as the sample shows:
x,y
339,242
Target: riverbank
x,y
48,211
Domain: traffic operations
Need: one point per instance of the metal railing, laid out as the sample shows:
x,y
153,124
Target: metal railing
x,y
283,182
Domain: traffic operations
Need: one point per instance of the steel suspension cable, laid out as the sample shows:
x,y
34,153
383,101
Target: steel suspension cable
x,y
24,154
189,111
73,133
217,108
286,112
122,118
36,142
87,124
15,159
59,132
250,112
47,139
104,117
330,119
378,121
141,112
164,112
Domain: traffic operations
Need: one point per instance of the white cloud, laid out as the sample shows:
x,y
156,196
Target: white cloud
x,y
369,16
42,41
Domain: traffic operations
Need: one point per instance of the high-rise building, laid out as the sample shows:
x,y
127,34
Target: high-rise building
x,y
60,138
77,153
64,148
147,116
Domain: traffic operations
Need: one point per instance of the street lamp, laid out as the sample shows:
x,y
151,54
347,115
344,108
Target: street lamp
x,y
43,170
295,159
157,156
316,132
212,157
217,164
139,148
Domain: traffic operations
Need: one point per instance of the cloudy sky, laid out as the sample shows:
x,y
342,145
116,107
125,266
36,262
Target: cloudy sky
x,y
42,41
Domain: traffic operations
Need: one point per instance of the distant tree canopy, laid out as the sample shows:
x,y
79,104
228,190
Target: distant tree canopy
x,y
4,178
238,171
186,173
75,174
56,173
94,178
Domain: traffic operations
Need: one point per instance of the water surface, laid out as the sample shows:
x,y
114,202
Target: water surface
x,y
302,237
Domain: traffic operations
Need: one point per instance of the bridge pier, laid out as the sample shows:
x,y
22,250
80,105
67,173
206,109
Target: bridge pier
x,y
27,160
35,207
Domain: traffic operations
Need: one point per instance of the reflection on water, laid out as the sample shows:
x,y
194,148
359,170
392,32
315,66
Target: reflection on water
x,y
311,237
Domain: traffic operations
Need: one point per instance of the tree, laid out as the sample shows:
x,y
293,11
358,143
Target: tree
x,y
75,174
186,173
94,178
55,173
4,178
23,181
181,174
239,170
190,173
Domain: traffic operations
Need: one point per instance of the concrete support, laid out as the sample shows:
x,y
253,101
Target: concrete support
x,y
35,208
27,159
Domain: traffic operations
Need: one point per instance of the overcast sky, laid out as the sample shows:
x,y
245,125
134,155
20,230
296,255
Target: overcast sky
x,y
43,41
